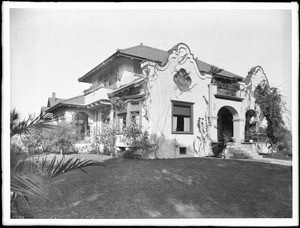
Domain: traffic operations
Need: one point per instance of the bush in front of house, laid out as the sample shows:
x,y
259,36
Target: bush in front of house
x,y
137,141
108,139
218,148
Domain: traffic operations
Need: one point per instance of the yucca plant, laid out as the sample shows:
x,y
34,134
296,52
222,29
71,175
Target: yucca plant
x,y
31,177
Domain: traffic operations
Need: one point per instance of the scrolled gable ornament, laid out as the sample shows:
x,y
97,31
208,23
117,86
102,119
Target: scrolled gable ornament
x,y
182,80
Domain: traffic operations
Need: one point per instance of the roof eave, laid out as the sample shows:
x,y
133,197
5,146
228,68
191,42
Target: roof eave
x,y
99,66
116,54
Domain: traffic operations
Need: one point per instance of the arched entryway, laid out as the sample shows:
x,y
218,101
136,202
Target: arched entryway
x,y
227,124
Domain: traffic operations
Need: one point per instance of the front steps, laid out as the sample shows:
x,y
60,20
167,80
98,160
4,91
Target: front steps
x,y
242,151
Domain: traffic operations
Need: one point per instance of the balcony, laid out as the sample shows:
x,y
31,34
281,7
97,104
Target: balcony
x,y
229,94
96,93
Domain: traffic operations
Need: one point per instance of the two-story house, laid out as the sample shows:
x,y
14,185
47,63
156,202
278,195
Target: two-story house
x,y
184,103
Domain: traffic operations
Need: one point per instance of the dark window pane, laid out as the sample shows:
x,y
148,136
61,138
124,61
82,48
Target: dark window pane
x,y
182,150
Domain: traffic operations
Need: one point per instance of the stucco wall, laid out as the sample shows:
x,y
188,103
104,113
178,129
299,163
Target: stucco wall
x,y
162,90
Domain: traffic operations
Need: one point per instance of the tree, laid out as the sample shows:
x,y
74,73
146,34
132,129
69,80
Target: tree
x,y
272,108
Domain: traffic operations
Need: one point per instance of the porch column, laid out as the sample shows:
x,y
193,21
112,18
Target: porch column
x,y
238,130
213,131
99,122
128,114
111,115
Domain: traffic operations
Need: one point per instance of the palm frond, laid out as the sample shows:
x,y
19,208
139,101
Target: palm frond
x,y
215,70
28,185
58,167
38,124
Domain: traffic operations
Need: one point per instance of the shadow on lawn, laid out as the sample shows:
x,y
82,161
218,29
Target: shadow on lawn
x,y
171,188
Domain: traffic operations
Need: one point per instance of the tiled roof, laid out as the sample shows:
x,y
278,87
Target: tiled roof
x,y
146,52
154,54
205,67
150,53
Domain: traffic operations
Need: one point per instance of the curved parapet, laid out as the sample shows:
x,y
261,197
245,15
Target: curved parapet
x,y
256,76
179,55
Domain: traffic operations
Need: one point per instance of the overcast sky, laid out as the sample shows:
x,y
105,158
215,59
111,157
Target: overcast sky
x,y
51,48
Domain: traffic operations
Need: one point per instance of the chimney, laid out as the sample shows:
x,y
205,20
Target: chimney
x,y
53,95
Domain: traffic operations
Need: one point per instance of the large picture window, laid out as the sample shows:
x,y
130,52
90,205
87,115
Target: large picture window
x,y
182,117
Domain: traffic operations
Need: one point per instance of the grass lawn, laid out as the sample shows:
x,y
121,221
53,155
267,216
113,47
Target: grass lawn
x,y
169,188
278,156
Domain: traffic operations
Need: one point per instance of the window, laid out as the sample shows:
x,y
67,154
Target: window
x,y
182,116
182,150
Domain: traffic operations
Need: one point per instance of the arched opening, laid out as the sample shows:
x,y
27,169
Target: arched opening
x,y
250,125
225,124
80,119
228,125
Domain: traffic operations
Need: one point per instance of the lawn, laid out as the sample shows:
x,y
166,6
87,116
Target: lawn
x,y
169,188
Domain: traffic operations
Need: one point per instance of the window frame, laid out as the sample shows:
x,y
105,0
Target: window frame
x,y
183,104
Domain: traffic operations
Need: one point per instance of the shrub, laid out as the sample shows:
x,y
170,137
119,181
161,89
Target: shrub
x,y
108,139
218,148
137,140
63,139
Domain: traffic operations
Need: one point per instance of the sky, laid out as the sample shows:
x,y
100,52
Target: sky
x,y
50,48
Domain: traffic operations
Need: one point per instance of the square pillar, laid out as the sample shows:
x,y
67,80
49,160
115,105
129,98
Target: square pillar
x,y
239,130
213,131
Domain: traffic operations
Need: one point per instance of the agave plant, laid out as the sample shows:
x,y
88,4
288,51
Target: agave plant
x,y
31,177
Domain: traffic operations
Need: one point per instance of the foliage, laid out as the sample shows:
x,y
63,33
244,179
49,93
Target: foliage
x,y
214,71
231,85
137,140
273,112
58,140
29,177
29,126
88,148
219,148
117,103
108,138
64,138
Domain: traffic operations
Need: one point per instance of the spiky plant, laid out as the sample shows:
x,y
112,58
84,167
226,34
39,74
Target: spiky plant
x,y
31,177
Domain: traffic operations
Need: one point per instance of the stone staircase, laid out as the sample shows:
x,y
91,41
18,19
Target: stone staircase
x,y
241,150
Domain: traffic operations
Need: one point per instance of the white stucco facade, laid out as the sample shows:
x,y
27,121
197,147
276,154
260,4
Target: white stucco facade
x,y
205,106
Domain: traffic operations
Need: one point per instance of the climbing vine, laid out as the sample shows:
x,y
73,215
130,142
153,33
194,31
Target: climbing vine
x,y
272,108
231,85
117,103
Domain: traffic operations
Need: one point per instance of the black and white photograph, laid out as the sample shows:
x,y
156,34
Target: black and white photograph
x,y
150,114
